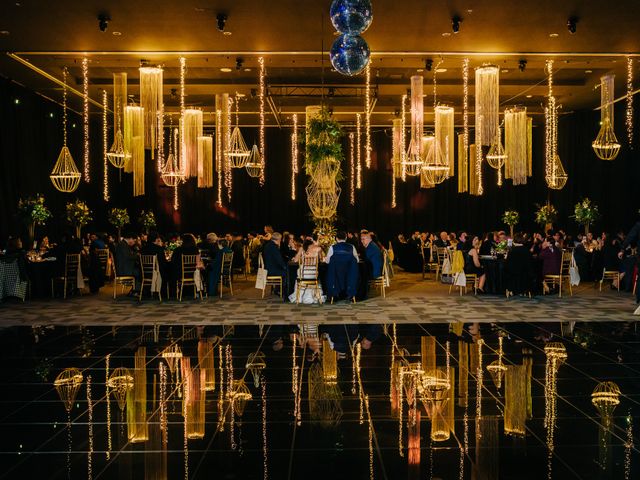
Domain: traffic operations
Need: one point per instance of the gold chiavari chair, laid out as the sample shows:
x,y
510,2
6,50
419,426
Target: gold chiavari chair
x,y
226,272
187,276
308,277
562,276
613,275
272,280
103,258
149,265
441,254
382,282
69,279
122,280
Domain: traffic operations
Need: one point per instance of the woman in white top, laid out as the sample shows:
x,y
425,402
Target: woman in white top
x,y
308,295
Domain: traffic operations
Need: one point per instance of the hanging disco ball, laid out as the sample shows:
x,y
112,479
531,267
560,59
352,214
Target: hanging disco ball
x,y
349,54
351,17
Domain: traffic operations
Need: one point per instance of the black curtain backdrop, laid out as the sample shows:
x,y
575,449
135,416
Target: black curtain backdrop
x,y
31,138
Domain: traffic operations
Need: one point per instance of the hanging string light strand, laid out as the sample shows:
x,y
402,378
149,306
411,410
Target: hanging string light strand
x,y
85,117
629,111
105,162
367,118
262,122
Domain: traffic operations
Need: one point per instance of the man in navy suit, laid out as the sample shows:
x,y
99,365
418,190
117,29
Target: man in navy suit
x,y
373,255
273,261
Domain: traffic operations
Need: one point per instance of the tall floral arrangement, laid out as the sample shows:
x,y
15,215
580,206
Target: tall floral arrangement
x,y
546,215
511,218
33,212
147,220
78,215
118,217
586,213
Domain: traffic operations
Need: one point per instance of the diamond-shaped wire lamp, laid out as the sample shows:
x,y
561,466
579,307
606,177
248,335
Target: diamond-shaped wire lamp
x,y
496,156
557,177
171,175
435,166
239,395
67,384
238,152
412,162
497,370
256,364
117,155
606,144
254,162
120,383
65,175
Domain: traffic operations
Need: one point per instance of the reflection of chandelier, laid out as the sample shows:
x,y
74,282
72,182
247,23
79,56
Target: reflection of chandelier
x,y
120,383
433,387
256,364
239,395
67,384
497,368
254,163
606,144
605,397
172,355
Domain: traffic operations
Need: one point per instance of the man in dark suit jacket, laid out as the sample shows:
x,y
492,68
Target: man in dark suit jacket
x,y
373,255
273,261
126,258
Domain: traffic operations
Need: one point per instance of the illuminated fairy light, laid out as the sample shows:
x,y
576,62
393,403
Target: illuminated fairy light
x,y
105,147
367,118
85,117
228,174
176,200
106,383
358,152
400,412
448,363
465,103
221,391
478,159
465,448
360,392
230,391
628,447
90,415
403,137
262,139
556,355
295,387
370,441
479,380
265,469
163,405
352,180
185,411
219,155
294,156
160,159
394,158
628,119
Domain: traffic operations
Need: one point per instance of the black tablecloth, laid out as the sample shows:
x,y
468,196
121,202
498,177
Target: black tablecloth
x,y
494,269
292,276
40,275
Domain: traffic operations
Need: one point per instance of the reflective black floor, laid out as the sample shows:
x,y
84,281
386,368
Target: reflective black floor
x,y
343,428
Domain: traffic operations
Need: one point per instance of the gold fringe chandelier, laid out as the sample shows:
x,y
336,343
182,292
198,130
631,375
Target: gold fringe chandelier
x,y
191,131
151,101
487,103
413,161
65,176
205,161
117,154
517,144
606,144
134,143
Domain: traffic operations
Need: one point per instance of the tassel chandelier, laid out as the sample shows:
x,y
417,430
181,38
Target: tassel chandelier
x,y
606,144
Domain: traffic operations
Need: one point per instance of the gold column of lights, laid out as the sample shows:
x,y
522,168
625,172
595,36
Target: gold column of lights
x,y
428,353
396,158
67,384
516,144
231,385
206,364
160,139
487,104
497,368
85,119
151,101
445,136
556,354
463,140
515,401
117,154
295,386
529,146
105,162
219,141
606,144
256,364
476,173
221,394
628,447
90,428
605,397
496,157
262,93
413,444
324,398
134,143
358,152
205,161
194,399
628,116
138,428
473,173
487,462
367,117
185,366
438,159
329,363
294,155
463,377
555,175
191,131
237,152
226,120
527,361
108,399
265,456
413,160
65,176
403,138
352,173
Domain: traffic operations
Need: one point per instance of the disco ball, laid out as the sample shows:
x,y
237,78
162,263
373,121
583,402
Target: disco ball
x,y
349,54
351,17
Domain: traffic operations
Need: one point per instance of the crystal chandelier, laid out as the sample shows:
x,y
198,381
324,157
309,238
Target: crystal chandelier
x,y
65,176
238,153
171,173
606,144
435,166
516,144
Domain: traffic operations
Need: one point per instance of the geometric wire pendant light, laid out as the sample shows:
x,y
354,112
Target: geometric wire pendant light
x,y
65,175
606,144
496,157
254,163
171,173
117,154
238,153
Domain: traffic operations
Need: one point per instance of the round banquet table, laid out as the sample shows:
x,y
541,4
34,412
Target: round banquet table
x,y
494,270
40,273
292,276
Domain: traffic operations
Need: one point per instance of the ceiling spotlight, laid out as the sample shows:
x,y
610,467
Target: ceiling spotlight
x,y
572,24
221,21
225,70
103,22
239,63
455,23
522,65
428,64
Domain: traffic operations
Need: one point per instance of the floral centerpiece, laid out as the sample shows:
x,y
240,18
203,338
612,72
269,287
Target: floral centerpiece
x,y
502,247
586,213
545,216
118,217
33,212
173,244
147,220
78,215
511,218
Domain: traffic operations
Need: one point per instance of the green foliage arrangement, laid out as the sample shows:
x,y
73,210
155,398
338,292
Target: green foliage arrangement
x,y
546,214
147,220
324,136
586,213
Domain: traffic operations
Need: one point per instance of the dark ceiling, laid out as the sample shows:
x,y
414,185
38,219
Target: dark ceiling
x,y
293,34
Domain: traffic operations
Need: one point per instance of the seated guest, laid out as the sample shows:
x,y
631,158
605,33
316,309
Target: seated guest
x,y
342,273
558,238
188,247
154,246
126,258
43,245
215,267
373,255
288,246
610,261
310,248
273,261
487,244
237,247
551,257
209,248
443,241
268,231
96,271
473,265
518,268
464,244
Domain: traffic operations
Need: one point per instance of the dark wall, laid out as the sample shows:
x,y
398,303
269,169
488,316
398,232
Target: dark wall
x,y
30,140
